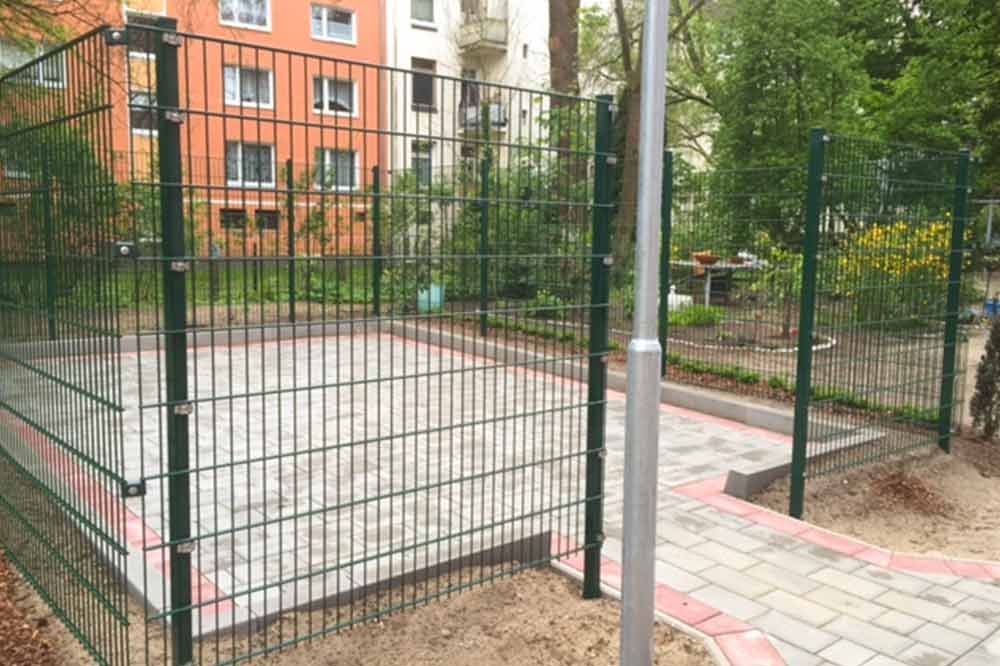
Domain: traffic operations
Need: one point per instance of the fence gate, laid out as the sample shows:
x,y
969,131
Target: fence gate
x,y
62,473
884,250
292,342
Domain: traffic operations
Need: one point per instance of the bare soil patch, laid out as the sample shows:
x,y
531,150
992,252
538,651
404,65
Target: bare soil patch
x,y
536,617
929,503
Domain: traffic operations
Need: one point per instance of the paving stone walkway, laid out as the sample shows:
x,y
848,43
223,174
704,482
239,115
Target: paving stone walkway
x,y
819,598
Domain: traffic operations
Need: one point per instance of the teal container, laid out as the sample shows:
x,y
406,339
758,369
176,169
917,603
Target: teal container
x,y
431,299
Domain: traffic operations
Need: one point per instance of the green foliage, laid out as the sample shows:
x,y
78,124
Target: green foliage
x,y
697,315
780,281
738,374
546,305
985,404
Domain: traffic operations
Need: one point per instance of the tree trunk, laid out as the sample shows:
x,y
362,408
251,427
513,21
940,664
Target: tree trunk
x,y
564,62
624,231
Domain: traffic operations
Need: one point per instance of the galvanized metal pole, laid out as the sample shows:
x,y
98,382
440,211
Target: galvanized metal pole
x,y
642,424
807,316
948,373
597,371
175,268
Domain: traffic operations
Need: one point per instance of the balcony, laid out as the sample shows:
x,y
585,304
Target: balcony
x,y
471,117
484,29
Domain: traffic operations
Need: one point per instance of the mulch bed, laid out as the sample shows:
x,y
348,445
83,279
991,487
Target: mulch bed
x,y
23,639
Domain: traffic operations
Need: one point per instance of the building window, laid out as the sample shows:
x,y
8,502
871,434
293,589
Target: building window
x,y
422,10
254,14
267,220
334,96
470,89
249,87
249,164
423,83
141,41
336,169
142,112
233,218
421,163
50,72
524,51
335,24
14,166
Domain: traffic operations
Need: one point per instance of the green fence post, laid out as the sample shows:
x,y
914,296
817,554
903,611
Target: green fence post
x,y
484,220
945,409
50,259
377,241
597,375
290,197
807,316
175,268
666,212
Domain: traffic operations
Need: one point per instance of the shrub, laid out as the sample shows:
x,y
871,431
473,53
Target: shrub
x,y
985,405
697,315
546,305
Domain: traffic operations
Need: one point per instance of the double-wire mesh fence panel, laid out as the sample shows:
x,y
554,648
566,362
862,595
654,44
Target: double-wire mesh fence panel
x,y
290,342
734,261
888,240
61,397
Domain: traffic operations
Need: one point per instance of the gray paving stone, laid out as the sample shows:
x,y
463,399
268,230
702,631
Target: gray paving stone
x,y
799,608
986,654
737,582
733,538
842,602
729,603
795,632
894,580
795,655
862,587
685,559
925,655
972,626
846,653
897,622
944,638
916,606
677,578
724,555
782,578
867,634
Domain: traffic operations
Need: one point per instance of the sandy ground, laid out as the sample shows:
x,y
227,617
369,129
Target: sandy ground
x,y
534,618
930,503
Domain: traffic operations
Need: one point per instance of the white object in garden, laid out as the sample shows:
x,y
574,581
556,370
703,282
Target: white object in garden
x,y
677,301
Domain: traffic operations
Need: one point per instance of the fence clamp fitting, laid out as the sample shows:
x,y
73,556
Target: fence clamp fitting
x,y
180,266
826,138
175,117
134,488
116,36
612,160
172,39
185,547
604,358
184,409
609,260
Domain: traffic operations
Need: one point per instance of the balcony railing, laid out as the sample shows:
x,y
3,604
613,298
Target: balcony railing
x,y
484,27
472,116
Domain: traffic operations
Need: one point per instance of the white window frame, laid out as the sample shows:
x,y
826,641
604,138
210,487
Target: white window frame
x,y
421,23
327,154
239,84
246,26
239,160
142,131
427,154
324,111
37,68
353,41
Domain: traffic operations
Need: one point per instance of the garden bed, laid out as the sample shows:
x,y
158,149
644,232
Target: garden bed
x,y
928,503
537,617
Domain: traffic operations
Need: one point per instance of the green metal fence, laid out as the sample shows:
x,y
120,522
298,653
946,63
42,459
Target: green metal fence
x,y
731,287
277,361
884,249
